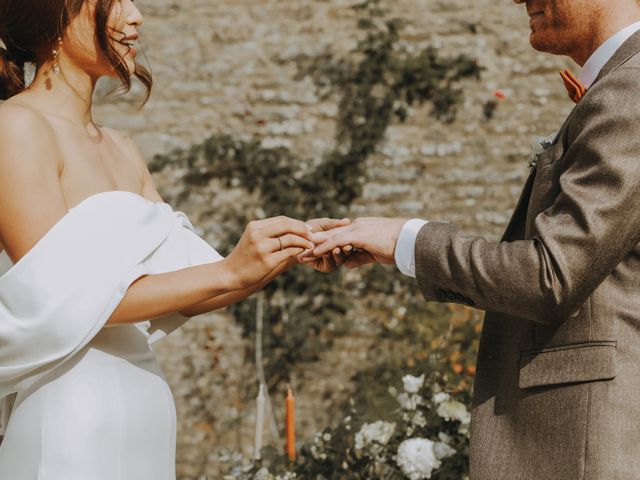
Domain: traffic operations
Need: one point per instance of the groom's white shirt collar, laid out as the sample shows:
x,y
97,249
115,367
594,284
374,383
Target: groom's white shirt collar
x,y
603,54
405,246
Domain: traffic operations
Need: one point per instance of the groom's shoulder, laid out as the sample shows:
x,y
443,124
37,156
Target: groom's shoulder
x,y
625,77
616,93
610,108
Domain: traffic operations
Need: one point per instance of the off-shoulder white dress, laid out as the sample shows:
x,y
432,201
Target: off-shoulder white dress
x,y
81,400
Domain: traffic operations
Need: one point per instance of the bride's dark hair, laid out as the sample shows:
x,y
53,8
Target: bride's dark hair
x,y
31,27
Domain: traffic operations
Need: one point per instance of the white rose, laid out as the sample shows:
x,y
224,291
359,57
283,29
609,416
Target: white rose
x,y
410,402
263,474
453,410
379,433
442,450
413,384
418,420
440,397
416,458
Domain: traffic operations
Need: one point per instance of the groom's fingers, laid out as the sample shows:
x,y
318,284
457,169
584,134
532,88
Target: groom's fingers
x,y
329,223
358,259
338,258
339,240
321,237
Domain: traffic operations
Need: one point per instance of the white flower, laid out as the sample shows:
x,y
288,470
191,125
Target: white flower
x,y
262,474
413,384
442,450
317,448
418,420
444,437
317,453
373,436
287,476
416,458
440,397
453,410
539,145
410,402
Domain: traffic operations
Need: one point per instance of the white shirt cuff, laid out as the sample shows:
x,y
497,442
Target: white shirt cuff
x,y
404,254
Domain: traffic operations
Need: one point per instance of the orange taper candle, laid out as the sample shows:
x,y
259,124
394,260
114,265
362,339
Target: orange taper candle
x,y
291,424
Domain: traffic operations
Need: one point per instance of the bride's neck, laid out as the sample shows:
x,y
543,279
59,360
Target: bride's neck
x,y
68,94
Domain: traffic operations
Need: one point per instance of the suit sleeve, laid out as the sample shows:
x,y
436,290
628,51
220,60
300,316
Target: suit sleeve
x,y
593,223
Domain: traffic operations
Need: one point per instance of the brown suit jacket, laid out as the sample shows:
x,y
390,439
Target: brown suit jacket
x,y
557,391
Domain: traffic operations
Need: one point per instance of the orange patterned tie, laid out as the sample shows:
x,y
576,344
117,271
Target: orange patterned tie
x,y
575,88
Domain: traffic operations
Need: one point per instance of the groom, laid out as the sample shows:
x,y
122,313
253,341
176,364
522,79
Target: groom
x,y
557,391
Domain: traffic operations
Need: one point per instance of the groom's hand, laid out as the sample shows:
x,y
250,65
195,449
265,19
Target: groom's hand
x,y
374,240
326,263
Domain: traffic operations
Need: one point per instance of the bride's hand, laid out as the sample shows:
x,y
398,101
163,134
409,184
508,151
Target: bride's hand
x,y
267,245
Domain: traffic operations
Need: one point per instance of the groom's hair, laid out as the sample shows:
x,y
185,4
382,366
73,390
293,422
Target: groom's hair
x,y
30,32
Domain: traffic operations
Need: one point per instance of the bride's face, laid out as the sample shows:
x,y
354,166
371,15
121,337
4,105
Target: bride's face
x,y
80,43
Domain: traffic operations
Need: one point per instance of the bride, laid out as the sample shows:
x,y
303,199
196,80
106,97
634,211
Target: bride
x,y
94,265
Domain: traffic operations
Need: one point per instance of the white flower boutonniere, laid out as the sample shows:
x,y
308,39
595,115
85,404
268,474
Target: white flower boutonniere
x,y
539,145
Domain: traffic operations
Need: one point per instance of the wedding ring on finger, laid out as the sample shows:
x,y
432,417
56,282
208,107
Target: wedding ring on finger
x,y
280,242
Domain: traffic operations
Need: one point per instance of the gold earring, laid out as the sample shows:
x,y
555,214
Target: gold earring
x,y
56,51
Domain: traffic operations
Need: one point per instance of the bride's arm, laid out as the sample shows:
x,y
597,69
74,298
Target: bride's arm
x,y
266,248
187,291
226,299
190,291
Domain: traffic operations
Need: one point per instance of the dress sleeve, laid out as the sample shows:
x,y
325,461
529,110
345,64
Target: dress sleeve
x,y
184,248
61,293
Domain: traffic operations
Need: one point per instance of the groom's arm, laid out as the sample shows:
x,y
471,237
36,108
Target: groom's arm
x,y
592,225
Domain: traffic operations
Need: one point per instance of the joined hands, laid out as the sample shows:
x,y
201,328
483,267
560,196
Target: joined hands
x,y
365,240
269,247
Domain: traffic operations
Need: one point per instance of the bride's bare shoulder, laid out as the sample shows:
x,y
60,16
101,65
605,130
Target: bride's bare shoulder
x,y
23,128
17,110
20,123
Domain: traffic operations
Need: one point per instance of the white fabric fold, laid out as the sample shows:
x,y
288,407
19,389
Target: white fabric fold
x,y
59,295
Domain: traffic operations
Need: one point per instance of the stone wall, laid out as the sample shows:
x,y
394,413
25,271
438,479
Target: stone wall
x,y
226,66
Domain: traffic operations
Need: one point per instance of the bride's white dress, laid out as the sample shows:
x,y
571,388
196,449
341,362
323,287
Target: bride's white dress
x,y
85,401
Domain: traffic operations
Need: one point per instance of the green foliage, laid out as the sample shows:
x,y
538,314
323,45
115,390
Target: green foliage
x,y
374,86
